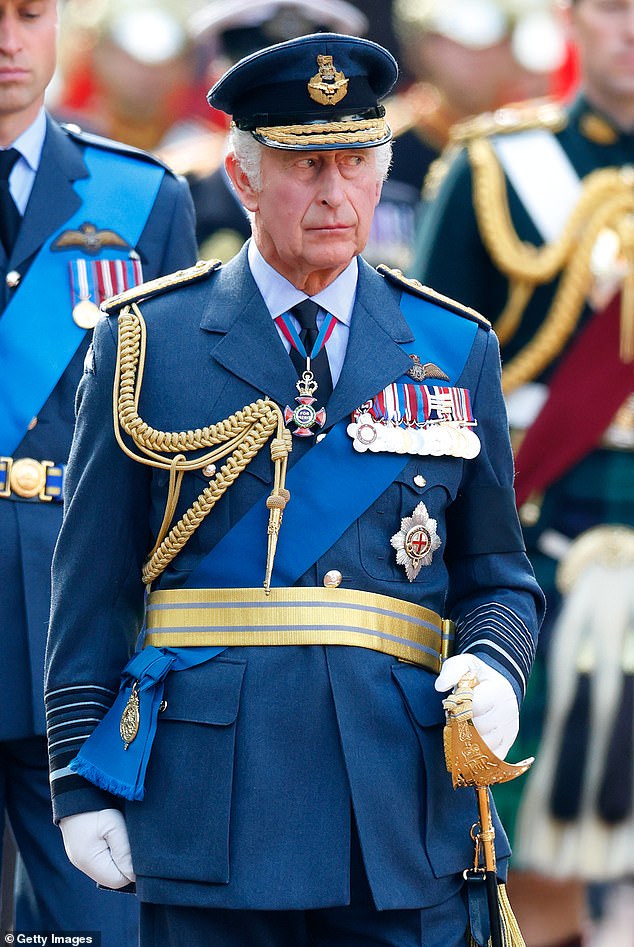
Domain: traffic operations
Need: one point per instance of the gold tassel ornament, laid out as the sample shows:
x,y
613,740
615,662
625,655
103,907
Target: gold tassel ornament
x,y
472,763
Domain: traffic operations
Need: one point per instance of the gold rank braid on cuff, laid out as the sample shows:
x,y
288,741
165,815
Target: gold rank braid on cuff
x,y
607,198
236,440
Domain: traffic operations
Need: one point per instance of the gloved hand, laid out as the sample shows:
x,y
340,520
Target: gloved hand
x,y
97,843
495,709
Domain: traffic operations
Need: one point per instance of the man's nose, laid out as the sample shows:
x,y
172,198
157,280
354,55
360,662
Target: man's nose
x,y
10,42
332,186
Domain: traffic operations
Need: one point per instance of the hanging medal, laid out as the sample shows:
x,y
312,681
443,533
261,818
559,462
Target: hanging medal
x,y
306,418
92,281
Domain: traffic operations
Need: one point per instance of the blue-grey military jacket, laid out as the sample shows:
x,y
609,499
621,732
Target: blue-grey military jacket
x,y
262,754
29,527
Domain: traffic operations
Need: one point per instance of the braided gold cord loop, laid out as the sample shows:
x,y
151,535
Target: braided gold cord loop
x,y
237,439
567,305
625,231
607,200
516,258
508,321
191,520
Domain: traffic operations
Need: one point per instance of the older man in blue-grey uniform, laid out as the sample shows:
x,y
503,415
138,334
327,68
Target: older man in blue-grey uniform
x,y
311,466
79,218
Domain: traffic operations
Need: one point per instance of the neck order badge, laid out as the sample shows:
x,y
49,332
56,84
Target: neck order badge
x,y
308,355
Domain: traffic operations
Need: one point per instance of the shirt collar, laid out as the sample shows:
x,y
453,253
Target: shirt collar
x,y
280,295
31,141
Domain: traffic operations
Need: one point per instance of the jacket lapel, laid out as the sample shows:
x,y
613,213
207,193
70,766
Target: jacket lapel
x,y
374,358
53,198
251,348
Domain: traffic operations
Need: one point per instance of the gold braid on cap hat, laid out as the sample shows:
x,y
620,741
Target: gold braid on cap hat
x,y
606,201
235,440
365,131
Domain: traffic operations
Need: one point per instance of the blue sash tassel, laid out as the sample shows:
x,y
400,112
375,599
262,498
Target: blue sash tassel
x,y
103,759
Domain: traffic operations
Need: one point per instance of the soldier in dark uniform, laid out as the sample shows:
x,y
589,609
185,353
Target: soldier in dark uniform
x,y
315,457
532,224
463,58
79,218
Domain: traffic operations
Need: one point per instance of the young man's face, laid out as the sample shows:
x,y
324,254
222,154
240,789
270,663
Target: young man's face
x,y
603,32
28,37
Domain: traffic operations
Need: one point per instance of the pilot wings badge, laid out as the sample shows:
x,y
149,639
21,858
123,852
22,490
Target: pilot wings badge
x,y
89,239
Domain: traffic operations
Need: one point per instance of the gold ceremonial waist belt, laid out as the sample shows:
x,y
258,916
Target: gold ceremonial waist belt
x,y
183,618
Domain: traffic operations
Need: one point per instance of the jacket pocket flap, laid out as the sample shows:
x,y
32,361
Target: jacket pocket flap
x,y
209,693
417,687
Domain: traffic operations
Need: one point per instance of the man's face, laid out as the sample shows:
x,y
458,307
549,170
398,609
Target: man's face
x,y
603,31
313,211
28,33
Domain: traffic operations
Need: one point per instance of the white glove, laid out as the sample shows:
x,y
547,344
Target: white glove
x,y
97,843
495,710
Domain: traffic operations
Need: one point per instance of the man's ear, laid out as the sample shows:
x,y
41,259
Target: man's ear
x,y
247,194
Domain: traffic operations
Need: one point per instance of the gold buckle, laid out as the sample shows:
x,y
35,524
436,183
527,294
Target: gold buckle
x,y
27,478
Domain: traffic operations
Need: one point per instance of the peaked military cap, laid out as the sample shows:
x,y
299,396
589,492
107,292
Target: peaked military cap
x,y
316,92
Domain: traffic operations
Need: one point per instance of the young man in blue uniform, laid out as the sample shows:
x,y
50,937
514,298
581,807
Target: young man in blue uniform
x,y
532,223
79,217
315,456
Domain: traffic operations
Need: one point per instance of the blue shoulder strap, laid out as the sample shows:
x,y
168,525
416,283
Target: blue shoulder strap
x,y
317,515
38,337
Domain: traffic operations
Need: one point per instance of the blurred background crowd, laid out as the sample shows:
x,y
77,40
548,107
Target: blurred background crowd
x,y
138,71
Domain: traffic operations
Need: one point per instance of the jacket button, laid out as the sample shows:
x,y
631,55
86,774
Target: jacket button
x,y
333,579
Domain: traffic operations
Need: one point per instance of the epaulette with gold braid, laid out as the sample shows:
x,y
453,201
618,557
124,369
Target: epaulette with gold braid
x,y
426,292
522,116
160,285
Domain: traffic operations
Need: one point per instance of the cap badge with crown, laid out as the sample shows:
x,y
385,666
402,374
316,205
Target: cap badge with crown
x,y
328,86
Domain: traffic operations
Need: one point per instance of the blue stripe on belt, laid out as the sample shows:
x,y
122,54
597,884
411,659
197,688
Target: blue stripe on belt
x,y
23,478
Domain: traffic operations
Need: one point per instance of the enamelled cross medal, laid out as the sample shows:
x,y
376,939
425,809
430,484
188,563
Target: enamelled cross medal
x,y
305,417
315,374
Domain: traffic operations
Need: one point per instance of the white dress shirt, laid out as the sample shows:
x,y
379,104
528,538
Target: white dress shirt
x,y
29,144
337,298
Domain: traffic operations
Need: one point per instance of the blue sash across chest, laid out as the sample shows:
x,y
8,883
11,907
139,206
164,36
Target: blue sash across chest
x,y
313,521
359,479
38,337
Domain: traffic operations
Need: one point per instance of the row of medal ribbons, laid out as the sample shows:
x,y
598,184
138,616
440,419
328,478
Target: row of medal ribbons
x,y
417,419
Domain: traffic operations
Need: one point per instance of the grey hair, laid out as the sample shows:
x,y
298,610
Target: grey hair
x,y
248,152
